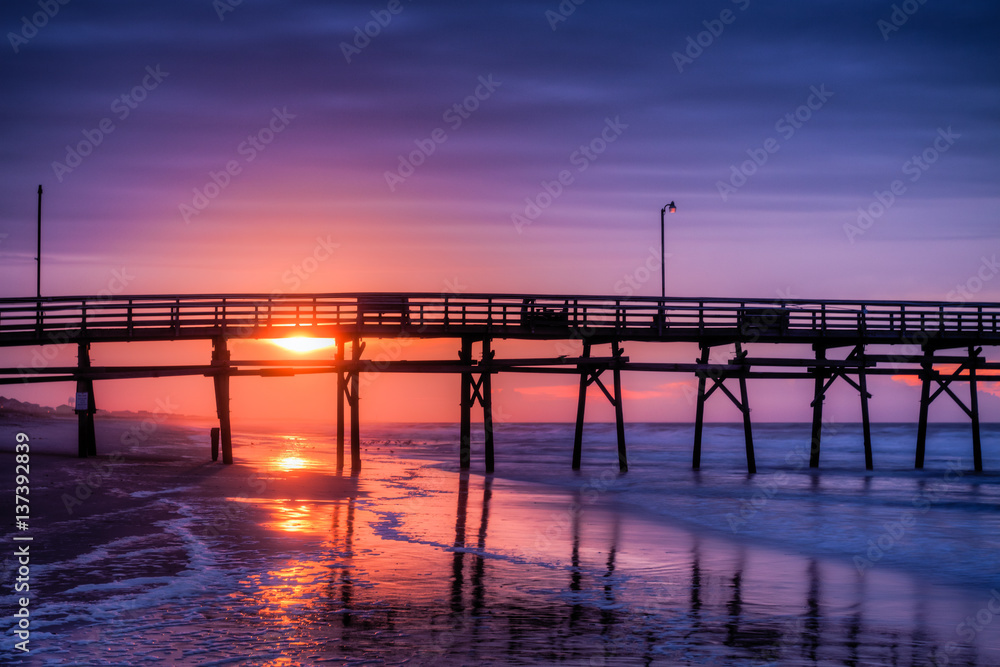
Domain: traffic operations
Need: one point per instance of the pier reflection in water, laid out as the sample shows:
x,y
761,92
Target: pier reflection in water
x,y
448,564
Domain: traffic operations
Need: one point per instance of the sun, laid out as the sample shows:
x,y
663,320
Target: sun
x,y
303,344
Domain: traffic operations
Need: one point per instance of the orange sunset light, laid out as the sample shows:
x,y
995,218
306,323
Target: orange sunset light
x,y
304,344
292,463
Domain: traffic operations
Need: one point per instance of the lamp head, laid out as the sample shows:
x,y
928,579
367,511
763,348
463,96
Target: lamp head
x,y
671,207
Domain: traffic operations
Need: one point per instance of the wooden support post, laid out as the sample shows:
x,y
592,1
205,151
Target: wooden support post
x,y
356,407
866,425
581,407
977,445
220,357
465,433
925,402
817,405
486,384
747,426
341,390
89,427
616,351
85,406
699,415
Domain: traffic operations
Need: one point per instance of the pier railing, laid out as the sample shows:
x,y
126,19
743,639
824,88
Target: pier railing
x,y
931,327
23,320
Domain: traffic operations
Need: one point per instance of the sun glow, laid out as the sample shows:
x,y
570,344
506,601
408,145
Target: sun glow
x,y
292,463
304,343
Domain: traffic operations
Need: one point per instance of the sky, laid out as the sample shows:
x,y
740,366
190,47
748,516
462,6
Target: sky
x,y
843,149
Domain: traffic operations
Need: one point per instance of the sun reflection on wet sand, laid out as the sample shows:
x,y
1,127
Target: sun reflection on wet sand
x,y
291,463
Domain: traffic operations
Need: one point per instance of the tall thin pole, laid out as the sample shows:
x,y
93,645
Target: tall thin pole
x,y
663,257
38,257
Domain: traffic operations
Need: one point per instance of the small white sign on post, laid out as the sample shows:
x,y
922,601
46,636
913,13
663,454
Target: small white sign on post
x,y
82,401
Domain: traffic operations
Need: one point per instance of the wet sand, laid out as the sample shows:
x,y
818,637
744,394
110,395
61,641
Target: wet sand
x,y
280,560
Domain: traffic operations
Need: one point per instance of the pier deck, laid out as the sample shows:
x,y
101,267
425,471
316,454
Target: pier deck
x,y
922,329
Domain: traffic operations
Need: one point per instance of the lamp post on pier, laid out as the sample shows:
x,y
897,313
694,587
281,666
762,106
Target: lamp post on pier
x,y
663,257
38,274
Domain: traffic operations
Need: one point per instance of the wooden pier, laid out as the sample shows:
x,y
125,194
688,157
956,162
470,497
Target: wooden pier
x,y
941,344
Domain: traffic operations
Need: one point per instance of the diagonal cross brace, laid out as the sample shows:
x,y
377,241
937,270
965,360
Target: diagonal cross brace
x,y
835,373
944,386
833,377
477,385
351,374
719,384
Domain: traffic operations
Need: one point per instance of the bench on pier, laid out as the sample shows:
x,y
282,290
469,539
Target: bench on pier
x,y
772,320
383,309
533,314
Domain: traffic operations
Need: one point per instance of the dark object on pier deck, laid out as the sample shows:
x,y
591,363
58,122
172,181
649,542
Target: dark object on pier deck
x,y
540,315
771,320
385,309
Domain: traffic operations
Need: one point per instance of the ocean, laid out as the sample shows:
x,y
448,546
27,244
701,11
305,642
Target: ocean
x,y
281,560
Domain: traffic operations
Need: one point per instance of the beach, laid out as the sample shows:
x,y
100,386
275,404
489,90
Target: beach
x,y
150,551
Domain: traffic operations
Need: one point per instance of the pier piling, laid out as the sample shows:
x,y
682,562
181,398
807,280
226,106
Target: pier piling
x,y
744,405
819,395
85,405
220,359
591,374
718,377
476,391
465,427
617,352
977,445
341,390
486,397
699,415
581,407
354,398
